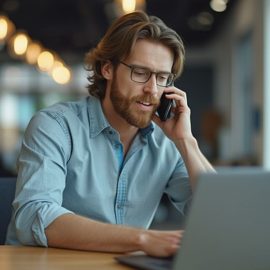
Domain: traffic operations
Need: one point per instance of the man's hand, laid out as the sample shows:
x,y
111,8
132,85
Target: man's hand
x,y
178,129
179,126
160,243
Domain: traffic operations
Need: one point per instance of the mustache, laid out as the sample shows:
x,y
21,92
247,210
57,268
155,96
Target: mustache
x,y
146,99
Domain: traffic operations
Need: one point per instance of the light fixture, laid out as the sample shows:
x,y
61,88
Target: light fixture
x,y
21,46
18,44
6,28
45,61
218,5
61,74
128,6
33,52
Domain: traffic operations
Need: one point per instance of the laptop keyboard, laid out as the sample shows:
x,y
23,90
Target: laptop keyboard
x,y
161,263
147,262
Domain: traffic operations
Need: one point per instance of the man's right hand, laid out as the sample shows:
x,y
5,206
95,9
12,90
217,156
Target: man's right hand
x,y
160,243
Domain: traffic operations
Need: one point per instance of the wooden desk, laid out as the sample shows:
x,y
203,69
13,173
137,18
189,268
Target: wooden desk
x,y
37,258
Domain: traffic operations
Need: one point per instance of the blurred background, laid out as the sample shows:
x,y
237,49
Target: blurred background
x,y
226,74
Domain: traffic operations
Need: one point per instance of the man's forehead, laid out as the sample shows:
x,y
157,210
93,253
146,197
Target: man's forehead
x,y
151,54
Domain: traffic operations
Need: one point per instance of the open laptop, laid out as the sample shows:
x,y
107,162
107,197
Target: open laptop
x,y
228,226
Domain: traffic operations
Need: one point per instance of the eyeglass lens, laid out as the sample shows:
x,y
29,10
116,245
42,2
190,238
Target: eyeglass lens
x,y
143,75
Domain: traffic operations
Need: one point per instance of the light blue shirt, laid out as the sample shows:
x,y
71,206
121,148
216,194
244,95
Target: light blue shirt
x,y
72,161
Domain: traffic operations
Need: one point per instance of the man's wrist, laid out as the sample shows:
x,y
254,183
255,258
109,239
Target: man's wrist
x,y
185,142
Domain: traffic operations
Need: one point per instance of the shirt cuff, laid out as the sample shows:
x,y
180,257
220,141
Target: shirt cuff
x,y
44,217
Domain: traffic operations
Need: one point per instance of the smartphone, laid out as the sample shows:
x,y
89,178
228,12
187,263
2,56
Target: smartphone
x,y
165,107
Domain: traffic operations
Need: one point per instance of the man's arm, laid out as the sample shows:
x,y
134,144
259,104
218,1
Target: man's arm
x,y
178,129
194,160
76,232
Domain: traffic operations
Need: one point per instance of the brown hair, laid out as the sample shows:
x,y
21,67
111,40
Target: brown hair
x,y
119,41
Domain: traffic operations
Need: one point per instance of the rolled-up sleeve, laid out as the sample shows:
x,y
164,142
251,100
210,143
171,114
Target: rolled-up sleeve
x,y
41,178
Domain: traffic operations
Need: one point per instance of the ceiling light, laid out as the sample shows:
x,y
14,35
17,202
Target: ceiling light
x,y
6,28
32,53
61,75
128,6
45,61
20,43
3,28
17,44
218,5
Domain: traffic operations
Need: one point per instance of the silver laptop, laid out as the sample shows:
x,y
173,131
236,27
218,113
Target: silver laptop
x,y
228,226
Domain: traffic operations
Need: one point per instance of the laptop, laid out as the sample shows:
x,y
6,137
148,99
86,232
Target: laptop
x,y
227,228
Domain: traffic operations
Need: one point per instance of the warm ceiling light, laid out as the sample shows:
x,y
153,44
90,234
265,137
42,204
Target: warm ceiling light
x,y
32,53
3,28
218,5
20,43
45,61
6,28
61,75
128,6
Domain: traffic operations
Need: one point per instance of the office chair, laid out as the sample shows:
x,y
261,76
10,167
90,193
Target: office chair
x,y
7,192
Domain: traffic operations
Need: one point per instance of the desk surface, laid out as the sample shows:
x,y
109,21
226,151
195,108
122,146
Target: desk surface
x,y
32,258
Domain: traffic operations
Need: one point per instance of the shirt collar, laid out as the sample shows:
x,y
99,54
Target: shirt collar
x,y
98,121
147,130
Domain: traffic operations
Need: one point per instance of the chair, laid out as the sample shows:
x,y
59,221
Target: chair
x,y
7,192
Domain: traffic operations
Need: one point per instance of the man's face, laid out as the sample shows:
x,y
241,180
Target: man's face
x,y
137,110
134,101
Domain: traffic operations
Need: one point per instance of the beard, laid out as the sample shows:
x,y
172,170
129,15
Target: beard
x,y
123,106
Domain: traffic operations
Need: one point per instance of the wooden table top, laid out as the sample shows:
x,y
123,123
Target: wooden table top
x,y
30,258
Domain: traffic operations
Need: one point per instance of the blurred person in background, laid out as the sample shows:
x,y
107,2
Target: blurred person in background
x,y
91,173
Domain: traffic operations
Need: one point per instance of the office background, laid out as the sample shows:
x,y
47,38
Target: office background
x,y
226,74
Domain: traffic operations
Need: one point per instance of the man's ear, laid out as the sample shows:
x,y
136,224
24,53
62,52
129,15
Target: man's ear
x,y
107,70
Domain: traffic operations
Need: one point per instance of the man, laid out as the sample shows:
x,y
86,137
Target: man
x,y
92,173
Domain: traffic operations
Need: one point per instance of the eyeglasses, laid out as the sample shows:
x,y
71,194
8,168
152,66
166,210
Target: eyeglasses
x,y
142,75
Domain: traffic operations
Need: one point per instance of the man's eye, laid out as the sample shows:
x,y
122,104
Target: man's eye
x,y
140,72
163,77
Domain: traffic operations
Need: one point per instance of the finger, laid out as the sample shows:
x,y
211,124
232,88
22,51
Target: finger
x,y
171,90
171,234
177,96
179,99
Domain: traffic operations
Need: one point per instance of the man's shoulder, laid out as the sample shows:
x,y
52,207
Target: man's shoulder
x,y
67,114
66,108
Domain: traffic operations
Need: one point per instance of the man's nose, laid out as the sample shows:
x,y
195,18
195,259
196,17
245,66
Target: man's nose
x,y
151,85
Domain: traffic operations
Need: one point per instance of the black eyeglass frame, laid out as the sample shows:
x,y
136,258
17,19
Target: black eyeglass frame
x,y
132,67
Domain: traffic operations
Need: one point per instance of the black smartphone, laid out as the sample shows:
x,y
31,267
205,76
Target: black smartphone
x,y
165,107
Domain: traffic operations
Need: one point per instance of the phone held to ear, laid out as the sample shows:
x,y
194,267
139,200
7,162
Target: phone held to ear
x,y
165,107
